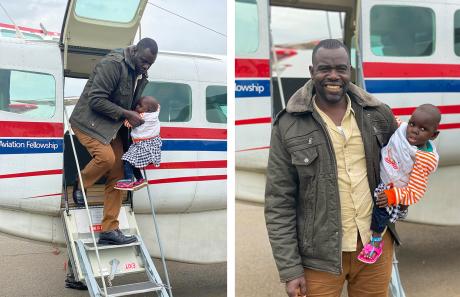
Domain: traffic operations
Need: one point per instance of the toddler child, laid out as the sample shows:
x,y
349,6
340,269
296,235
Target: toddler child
x,y
146,146
406,162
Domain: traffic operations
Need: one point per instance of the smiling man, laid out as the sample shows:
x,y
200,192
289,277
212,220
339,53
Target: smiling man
x,y
109,97
324,159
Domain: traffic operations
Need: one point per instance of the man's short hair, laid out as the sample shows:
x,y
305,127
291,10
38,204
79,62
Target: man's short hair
x,y
148,43
328,44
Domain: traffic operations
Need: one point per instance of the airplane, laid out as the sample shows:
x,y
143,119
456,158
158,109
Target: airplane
x,y
405,52
37,167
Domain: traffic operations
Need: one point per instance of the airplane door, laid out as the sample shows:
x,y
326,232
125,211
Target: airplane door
x,y
31,121
94,27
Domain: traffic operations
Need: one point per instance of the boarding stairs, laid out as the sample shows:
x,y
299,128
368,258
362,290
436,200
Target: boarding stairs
x,y
99,266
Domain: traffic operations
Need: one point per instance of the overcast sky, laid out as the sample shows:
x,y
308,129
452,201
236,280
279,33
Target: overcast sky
x,y
169,30
293,25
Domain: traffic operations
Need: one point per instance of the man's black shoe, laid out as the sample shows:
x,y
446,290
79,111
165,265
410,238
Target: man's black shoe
x,y
71,283
77,195
115,237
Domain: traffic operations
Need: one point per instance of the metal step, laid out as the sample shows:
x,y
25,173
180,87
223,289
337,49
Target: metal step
x,y
89,245
131,289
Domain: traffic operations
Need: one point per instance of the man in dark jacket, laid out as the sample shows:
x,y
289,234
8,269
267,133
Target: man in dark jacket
x,y
323,166
109,98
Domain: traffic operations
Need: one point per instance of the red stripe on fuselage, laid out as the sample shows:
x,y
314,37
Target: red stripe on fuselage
x,y
32,173
253,121
191,165
187,179
27,29
39,129
404,70
444,109
252,68
448,126
41,196
195,133
30,129
253,149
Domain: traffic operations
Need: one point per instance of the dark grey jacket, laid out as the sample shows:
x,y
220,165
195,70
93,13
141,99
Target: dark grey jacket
x,y
109,90
302,204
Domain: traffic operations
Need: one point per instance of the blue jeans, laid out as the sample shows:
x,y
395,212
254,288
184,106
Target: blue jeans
x,y
131,171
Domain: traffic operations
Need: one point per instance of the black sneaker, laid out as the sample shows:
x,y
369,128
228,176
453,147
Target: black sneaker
x,y
115,237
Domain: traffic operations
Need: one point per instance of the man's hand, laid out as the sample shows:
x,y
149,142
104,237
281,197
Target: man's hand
x,y
296,287
382,200
133,118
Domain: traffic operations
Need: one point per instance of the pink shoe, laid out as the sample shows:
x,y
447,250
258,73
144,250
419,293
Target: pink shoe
x,y
124,185
370,254
139,184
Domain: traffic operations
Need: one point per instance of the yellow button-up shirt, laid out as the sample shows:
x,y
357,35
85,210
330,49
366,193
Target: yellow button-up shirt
x,y
355,196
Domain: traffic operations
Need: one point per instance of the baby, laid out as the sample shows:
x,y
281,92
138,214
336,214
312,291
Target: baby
x,y
406,162
146,146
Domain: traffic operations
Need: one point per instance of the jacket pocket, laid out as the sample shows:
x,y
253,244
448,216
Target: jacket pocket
x,y
304,159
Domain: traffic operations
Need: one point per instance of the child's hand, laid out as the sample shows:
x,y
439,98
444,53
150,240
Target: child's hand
x,y
382,200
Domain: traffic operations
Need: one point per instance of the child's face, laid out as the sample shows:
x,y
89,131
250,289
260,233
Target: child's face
x,y
421,128
146,104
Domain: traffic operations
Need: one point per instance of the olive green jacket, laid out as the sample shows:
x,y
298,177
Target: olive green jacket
x,y
109,90
302,204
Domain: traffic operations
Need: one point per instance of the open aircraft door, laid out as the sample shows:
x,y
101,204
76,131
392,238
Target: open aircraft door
x,y
92,28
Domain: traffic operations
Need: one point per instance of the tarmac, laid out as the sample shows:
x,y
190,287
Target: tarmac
x,y
32,268
429,259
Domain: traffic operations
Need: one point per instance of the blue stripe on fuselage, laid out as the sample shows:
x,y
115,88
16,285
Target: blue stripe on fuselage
x,y
194,145
30,146
413,86
43,146
252,88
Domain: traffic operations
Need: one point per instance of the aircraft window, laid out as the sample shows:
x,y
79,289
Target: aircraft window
x,y
12,33
457,32
175,100
246,27
394,31
120,11
216,104
29,93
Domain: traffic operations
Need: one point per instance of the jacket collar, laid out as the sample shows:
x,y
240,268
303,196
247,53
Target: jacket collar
x,y
302,101
129,57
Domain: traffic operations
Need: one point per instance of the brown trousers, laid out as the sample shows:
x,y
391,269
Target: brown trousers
x,y
106,162
364,280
